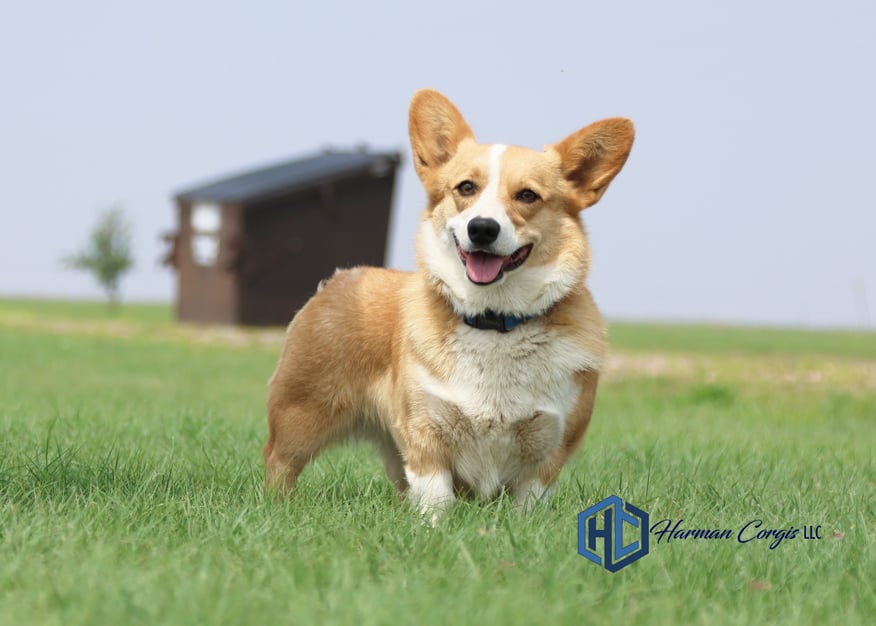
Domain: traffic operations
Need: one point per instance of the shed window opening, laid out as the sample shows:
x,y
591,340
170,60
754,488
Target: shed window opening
x,y
206,223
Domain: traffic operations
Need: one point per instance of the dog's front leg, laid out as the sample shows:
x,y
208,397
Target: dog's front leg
x,y
428,460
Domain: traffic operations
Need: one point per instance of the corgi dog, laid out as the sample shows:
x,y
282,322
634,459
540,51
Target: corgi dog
x,y
476,373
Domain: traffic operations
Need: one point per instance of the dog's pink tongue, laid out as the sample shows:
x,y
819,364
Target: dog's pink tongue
x,y
482,267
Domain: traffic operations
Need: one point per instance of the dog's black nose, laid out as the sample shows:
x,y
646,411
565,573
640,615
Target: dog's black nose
x,y
483,231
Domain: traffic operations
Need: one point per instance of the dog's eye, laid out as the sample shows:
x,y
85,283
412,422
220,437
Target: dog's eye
x,y
466,188
527,196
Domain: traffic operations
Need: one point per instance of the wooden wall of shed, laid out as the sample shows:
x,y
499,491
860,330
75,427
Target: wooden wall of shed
x,y
208,294
292,243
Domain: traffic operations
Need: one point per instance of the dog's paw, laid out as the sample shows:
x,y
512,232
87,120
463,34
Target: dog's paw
x,y
431,516
432,494
531,493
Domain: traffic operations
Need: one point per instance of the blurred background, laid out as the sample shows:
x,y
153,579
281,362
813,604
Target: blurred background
x,y
747,198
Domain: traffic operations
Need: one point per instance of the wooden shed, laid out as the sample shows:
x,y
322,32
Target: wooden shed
x,y
251,248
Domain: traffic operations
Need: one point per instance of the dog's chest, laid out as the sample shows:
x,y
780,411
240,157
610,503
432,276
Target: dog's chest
x,y
505,402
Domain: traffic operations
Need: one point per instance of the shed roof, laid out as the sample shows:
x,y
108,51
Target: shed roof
x,y
292,176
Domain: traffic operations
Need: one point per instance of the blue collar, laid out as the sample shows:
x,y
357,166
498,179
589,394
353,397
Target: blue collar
x,y
493,321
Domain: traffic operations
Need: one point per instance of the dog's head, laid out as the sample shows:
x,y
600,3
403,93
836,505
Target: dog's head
x,y
501,230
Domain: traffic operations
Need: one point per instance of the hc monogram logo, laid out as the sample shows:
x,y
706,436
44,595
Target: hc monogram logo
x,y
614,554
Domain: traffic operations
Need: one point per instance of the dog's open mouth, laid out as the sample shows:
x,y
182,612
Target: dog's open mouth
x,y
483,268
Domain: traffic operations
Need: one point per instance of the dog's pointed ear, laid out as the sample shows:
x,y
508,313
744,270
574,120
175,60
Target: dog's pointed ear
x,y
436,128
591,157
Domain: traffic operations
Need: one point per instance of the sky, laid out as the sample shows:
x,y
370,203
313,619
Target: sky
x,y
748,196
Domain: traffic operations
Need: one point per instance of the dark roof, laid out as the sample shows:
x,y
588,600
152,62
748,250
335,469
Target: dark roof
x,y
292,176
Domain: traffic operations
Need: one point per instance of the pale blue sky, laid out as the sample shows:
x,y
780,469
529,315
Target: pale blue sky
x,y
748,196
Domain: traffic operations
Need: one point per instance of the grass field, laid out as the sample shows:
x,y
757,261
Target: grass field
x,y
130,488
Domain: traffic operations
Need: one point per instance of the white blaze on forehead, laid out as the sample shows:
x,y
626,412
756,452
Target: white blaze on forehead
x,y
489,204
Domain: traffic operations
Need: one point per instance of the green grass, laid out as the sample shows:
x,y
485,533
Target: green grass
x,y
740,339
151,314
130,489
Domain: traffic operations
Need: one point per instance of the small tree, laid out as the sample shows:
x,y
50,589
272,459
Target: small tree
x,y
107,254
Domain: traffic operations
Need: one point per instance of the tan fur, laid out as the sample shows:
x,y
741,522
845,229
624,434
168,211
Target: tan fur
x,y
377,353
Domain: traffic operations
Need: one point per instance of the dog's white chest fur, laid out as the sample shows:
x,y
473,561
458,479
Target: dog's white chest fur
x,y
504,406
